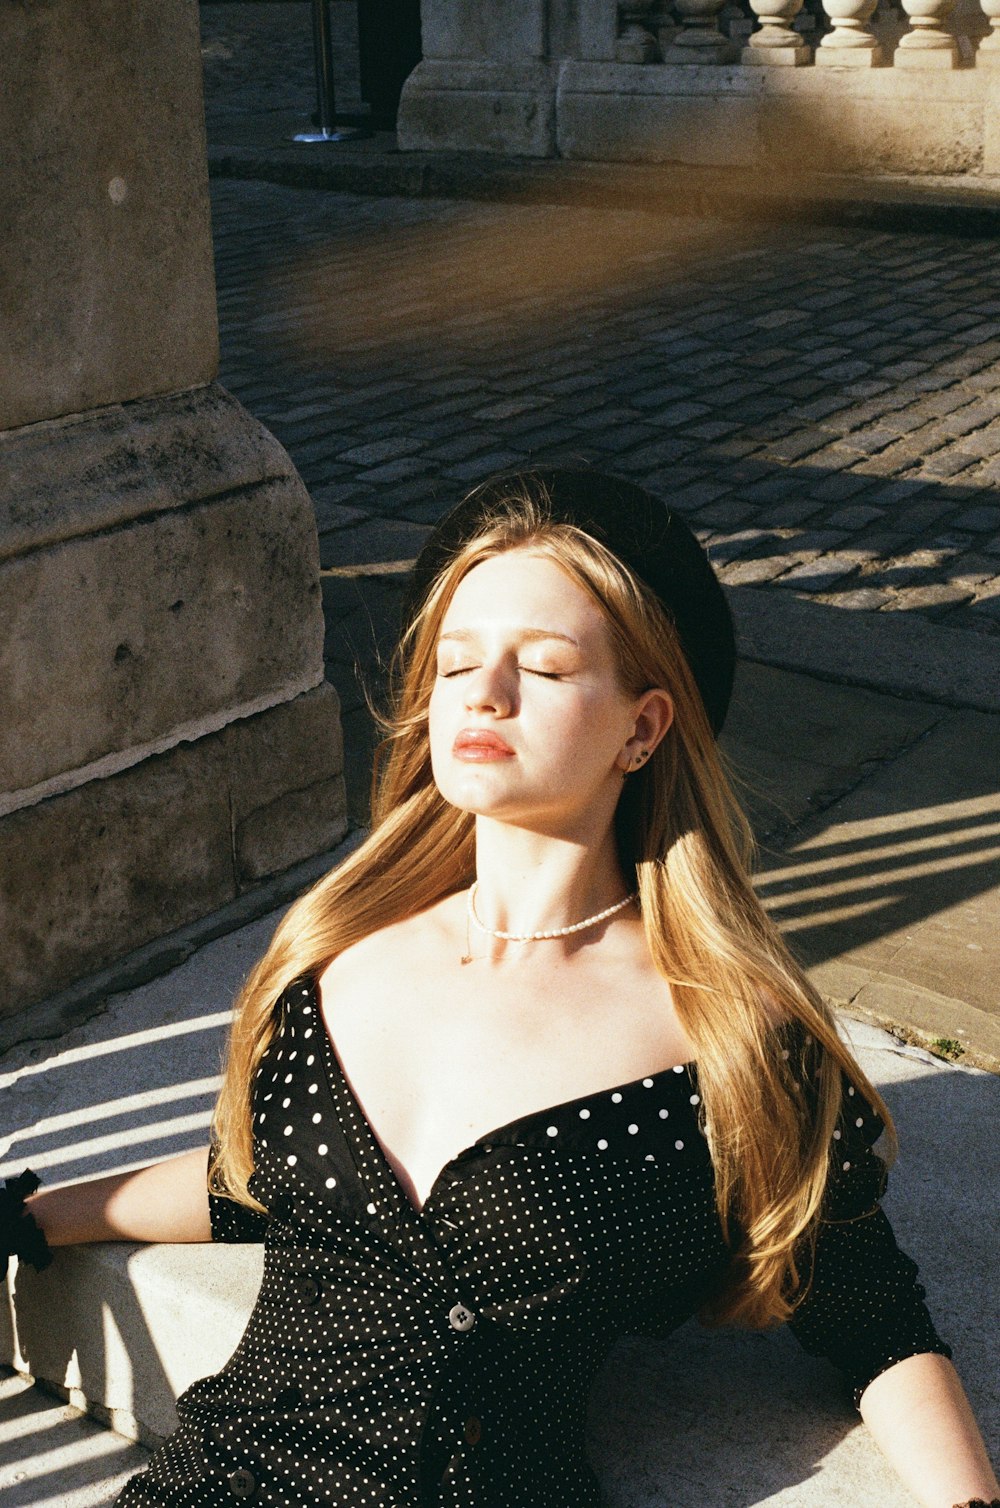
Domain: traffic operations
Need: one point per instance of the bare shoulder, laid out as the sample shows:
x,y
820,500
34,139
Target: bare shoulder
x,y
413,939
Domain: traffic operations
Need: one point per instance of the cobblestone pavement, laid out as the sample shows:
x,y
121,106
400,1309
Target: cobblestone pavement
x,y
824,406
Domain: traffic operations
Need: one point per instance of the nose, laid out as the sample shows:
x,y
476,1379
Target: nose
x,y
490,689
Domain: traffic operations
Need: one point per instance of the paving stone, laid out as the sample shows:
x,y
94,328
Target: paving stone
x,y
985,518
820,574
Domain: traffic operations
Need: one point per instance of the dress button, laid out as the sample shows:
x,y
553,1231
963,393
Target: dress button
x,y
473,1430
242,1483
308,1290
460,1318
288,1398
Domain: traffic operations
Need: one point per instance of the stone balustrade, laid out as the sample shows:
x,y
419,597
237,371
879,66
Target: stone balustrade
x,y
923,34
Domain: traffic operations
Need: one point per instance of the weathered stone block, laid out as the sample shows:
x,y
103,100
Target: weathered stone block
x,y
88,876
106,255
508,108
118,641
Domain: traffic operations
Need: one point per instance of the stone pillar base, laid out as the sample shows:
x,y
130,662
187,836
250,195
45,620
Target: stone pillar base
x,y
721,51
169,740
926,57
456,105
851,57
797,56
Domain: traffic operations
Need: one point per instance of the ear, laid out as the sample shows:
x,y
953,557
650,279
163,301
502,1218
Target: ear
x,y
652,716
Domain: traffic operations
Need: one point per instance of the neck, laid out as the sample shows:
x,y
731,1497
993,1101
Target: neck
x,y
529,882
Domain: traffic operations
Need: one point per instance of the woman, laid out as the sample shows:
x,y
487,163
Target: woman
x,y
552,910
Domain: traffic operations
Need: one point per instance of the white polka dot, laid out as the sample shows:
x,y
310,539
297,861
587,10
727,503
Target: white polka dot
x,y
317,1118
846,1166
307,1010
308,1034
310,1060
552,1130
695,1099
313,1088
285,1104
288,1078
647,1083
616,1098
785,1053
331,1183
633,1130
585,1115
322,1149
678,1068
836,1135
288,1130
602,1145
850,1088
291,1159
371,1209
859,1121
649,1157
663,1114
679,1145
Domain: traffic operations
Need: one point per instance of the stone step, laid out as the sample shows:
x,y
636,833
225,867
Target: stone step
x,y
53,1456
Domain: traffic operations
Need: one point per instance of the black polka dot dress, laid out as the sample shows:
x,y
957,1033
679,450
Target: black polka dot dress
x,y
442,1358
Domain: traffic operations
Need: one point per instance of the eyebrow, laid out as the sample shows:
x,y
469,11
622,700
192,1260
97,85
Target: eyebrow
x,y
464,635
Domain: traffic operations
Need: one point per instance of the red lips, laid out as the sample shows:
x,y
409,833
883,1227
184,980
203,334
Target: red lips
x,y
481,745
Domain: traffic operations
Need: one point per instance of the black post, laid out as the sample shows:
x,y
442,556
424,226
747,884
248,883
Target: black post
x,y
326,107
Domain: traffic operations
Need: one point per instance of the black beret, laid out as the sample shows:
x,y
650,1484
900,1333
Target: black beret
x,y
636,526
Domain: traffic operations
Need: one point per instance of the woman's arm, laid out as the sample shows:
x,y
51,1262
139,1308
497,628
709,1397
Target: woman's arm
x,y
167,1201
921,1420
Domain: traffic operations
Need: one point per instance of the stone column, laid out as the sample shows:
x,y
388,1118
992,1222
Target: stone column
x,y
168,739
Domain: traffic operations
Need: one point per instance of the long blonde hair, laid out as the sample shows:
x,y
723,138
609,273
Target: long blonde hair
x,y
768,1115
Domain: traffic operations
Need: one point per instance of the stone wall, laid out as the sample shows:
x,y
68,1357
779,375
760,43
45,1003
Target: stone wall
x,y
706,84
168,738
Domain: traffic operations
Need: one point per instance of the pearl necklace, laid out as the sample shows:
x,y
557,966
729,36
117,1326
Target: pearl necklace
x,y
523,937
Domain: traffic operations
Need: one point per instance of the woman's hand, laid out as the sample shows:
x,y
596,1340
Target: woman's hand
x,y
167,1201
921,1419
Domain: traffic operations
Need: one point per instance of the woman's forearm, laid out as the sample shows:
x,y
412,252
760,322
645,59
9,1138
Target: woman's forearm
x,y
167,1201
923,1424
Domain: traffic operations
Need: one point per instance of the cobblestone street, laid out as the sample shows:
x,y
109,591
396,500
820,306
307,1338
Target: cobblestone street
x,y
823,405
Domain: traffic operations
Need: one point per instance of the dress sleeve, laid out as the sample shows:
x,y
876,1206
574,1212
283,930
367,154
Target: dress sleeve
x,y
232,1221
863,1307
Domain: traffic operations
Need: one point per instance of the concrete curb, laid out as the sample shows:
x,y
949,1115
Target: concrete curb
x,y
896,204
899,653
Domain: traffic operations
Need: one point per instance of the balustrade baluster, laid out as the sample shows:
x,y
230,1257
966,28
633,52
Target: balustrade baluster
x,y
851,43
989,47
929,44
776,42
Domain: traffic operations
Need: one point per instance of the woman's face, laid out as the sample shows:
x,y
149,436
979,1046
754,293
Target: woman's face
x,y
529,723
